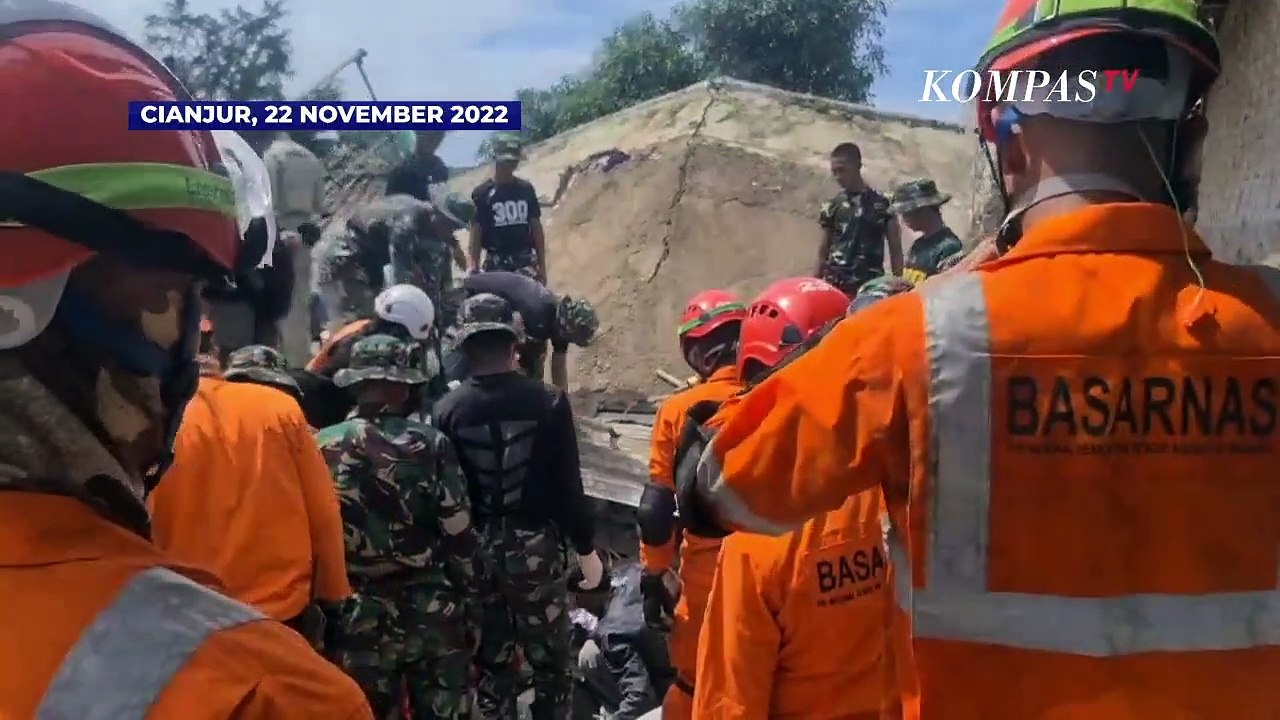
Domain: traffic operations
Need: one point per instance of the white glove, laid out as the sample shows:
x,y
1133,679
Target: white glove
x,y
589,655
592,571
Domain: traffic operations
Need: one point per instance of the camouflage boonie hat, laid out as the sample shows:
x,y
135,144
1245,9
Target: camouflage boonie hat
x,y
878,289
453,205
506,148
382,357
486,312
916,194
577,321
259,363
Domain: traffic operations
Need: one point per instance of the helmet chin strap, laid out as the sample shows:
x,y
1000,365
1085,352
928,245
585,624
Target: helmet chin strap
x,y
1011,229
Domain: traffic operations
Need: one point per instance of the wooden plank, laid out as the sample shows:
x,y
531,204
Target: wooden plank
x,y
611,489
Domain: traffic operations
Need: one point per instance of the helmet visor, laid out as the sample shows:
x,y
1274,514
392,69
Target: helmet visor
x,y
252,183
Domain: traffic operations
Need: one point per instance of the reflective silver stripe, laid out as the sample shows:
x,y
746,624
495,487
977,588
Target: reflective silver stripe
x,y
126,657
731,508
954,604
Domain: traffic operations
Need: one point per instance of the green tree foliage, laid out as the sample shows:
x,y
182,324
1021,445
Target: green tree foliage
x,y
822,47
829,48
331,91
236,54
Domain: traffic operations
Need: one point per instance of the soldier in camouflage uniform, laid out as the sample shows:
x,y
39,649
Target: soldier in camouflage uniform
x,y
351,265
411,549
262,365
919,204
518,447
856,225
429,262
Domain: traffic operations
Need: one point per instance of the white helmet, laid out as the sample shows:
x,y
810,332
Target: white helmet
x,y
409,306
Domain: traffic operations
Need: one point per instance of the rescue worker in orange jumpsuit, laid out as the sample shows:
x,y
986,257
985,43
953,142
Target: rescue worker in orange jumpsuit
x,y
114,233
250,498
708,337
766,648
1077,441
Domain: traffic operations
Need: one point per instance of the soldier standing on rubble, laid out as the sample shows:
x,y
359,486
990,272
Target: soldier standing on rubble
x,y
409,542
518,446
918,203
422,169
392,237
508,224
426,258
856,226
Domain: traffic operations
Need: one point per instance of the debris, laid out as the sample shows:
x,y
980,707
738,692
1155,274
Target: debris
x,y
672,380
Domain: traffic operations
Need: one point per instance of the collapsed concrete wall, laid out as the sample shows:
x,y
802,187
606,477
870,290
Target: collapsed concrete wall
x,y
718,185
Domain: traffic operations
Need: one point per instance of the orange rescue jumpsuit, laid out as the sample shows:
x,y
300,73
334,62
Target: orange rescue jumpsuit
x,y
337,348
697,554
1084,486
199,655
249,498
766,648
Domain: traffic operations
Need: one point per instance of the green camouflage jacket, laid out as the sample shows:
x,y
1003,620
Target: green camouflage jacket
x,y
403,499
859,224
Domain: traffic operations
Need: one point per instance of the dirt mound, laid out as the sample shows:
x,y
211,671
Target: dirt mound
x,y
639,239
715,186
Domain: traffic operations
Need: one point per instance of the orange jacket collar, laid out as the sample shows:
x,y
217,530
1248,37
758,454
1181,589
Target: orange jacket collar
x,y
1143,228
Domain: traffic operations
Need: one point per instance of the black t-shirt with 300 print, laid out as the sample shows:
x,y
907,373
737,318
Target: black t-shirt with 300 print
x,y
504,212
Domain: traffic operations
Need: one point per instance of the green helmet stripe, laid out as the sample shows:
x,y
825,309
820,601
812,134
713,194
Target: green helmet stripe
x,y
1040,11
145,186
707,317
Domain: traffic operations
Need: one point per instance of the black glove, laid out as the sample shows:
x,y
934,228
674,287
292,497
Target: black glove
x,y
659,605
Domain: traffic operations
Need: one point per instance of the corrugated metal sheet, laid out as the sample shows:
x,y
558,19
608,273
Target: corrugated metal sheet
x,y
615,457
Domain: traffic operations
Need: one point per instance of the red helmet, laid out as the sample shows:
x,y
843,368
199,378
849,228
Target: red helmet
x,y
709,310
68,79
785,315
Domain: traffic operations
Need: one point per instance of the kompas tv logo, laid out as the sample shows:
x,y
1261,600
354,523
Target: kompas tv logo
x,y
1010,86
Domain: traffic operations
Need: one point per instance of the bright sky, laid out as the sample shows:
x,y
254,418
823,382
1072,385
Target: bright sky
x,y
450,50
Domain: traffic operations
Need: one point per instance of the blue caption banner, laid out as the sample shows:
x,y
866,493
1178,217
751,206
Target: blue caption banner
x,y
309,115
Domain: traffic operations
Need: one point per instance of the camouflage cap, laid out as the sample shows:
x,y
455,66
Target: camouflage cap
x,y
486,312
916,194
453,205
506,148
382,357
577,321
259,363
878,289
